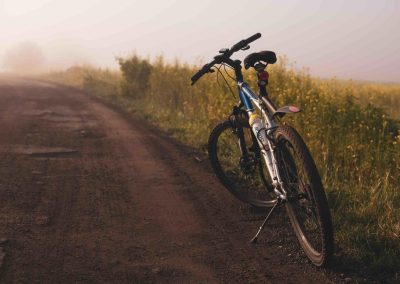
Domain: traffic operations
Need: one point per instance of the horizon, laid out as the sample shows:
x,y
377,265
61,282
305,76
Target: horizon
x,y
349,41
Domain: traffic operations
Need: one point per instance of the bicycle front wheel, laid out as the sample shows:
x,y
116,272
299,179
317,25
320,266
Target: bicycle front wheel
x,y
243,174
307,205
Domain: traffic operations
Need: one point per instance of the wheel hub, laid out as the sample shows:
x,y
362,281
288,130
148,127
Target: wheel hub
x,y
247,164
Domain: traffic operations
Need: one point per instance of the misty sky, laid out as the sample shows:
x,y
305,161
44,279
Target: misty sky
x,y
350,39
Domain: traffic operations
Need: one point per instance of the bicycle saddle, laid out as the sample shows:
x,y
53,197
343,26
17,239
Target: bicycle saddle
x,y
266,56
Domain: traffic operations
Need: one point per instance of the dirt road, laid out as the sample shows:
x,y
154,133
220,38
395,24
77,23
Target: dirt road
x,y
89,194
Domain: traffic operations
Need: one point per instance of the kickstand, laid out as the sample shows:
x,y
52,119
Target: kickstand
x,y
254,240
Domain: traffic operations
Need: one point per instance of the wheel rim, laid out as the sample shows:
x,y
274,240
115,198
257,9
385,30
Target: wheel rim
x,y
246,176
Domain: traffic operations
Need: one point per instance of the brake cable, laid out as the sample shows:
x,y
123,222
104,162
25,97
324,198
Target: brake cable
x,y
225,65
226,81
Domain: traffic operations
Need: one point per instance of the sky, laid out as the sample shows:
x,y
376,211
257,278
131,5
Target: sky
x,y
358,39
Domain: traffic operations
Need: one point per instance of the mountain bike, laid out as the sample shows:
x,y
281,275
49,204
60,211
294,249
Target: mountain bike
x,y
265,163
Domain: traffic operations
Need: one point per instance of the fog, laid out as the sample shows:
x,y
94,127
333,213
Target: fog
x,y
348,39
25,58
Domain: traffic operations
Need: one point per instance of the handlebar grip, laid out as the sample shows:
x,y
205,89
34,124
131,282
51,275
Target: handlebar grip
x,y
243,43
197,76
205,69
253,38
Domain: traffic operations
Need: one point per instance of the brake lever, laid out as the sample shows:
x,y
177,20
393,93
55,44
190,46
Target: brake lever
x,y
245,48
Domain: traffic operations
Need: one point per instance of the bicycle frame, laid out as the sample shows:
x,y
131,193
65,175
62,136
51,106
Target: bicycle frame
x,y
248,98
304,198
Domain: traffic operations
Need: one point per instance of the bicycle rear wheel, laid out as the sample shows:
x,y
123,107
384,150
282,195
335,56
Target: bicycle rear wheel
x,y
307,205
243,174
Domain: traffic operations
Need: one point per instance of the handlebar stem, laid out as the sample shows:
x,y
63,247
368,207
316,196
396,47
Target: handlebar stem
x,y
237,66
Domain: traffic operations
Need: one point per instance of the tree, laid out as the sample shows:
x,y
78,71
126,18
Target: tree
x,y
136,73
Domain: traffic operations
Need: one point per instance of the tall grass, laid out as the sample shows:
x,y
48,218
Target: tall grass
x,y
348,126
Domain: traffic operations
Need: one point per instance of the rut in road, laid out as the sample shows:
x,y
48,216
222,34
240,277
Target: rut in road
x,y
92,194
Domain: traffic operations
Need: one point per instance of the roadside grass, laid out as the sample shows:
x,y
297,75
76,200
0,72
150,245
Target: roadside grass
x,y
351,129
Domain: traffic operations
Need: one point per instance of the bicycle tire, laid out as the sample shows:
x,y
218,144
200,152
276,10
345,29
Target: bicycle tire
x,y
308,199
244,188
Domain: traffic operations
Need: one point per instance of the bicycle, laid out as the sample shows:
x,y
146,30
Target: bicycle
x,y
267,164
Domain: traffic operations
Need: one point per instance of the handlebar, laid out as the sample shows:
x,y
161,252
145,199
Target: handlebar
x,y
224,56
205,69
243,43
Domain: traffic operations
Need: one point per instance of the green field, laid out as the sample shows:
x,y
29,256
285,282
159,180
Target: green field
x,y
351,128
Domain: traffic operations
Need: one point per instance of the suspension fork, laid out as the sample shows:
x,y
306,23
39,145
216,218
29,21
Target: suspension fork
x,y
242,142
238,129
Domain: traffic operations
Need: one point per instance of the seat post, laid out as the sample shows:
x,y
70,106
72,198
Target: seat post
x,y
262,82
